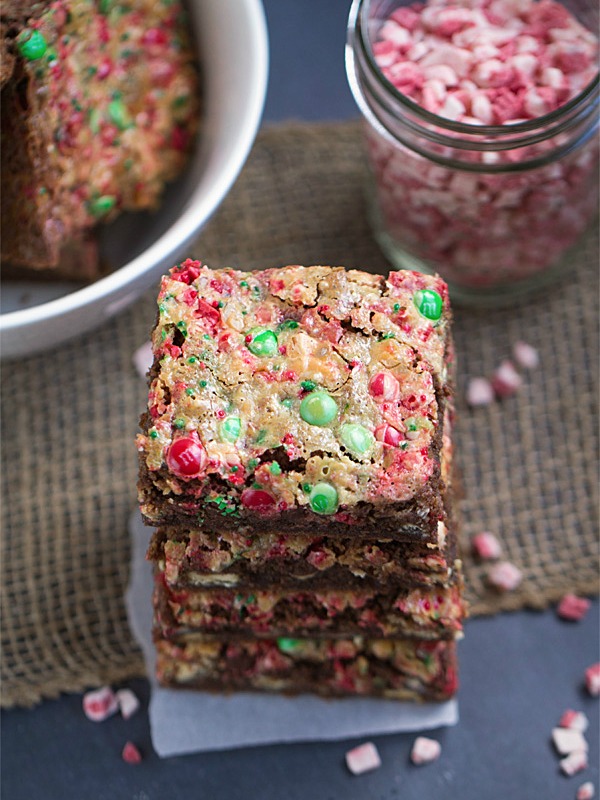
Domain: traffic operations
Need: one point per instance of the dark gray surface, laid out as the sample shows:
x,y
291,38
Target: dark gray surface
x,y
519,672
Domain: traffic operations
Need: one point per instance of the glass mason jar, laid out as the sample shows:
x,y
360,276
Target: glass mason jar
x,y
496,210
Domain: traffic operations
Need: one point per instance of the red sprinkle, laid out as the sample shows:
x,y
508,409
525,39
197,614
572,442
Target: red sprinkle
x,y
186,272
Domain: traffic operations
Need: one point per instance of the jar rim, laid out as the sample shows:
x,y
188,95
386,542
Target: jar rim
x,y
357,30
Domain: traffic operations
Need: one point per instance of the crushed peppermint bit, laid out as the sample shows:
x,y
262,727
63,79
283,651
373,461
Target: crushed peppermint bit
x,y
586,791
100,704
525,355
128,703
574,762
479,392
576,720
506,380
592,679
142,359
425,750
131,754
573,608
486,546
363,759
568,740
504,576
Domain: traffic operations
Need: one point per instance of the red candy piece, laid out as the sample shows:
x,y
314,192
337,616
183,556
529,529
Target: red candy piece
x,y
186,458
573,608
257,499
384,386
100,704
388,435
131,754
205,311
187,272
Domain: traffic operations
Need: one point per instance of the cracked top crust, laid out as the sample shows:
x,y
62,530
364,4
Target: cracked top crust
x,y
312,388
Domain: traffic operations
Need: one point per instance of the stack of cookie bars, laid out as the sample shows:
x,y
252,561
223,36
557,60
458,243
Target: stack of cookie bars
x,y
295,461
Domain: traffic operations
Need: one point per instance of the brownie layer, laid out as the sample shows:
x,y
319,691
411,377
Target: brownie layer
x,y
423,613
399,669
305,399
193,558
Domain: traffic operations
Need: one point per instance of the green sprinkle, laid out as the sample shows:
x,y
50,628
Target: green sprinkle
x,y
118,114
234,469
105,6
288,645
308,386
203,384
91,71
182,326
100,206
263,342
261,436
388,336
253,463
256,485
244,284
189,391
128,163
42,190
396,307
356,438
206,336
288,324
412,424
31,44
179,423
429,303
154,434
287,402
275,469
323,498
318,408
192,360
94,120
306,487
230,429
163,335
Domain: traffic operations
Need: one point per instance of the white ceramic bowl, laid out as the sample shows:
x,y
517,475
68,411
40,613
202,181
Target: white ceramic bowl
x,y
233,52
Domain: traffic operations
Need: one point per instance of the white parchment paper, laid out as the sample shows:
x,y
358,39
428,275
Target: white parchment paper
x,y
185,721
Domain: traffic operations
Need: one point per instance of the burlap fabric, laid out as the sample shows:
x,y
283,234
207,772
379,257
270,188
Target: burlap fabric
x,y
528,463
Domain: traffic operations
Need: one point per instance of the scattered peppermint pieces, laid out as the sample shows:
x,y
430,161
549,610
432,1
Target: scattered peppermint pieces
x,y
568,740
586,791
100,704
525,355
425,750
131,754
486,546
592,679
142,359
128,703
573,608
363,759
574,762
504,576
576,720
480,392
506,380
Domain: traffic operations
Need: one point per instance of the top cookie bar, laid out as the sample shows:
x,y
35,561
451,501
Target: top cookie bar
x,y
297,399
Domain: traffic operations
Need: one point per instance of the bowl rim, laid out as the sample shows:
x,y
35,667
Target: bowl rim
x,y
185,227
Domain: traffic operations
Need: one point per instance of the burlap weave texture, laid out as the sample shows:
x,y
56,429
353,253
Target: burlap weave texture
x,y
529,463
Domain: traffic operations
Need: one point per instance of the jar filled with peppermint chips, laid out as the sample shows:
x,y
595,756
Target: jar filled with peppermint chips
x,y
481,129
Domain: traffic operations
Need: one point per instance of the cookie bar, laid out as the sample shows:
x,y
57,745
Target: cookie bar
x,y
402,669
235,559
432,613
309,399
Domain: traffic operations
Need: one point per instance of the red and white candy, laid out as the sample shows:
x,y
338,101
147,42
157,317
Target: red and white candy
x,y
100,704
568,740
574,762
363,758
486,546
592,679
131,754
586,791
479,392
573,608
506,380
128,703
504,576
425,750
575,720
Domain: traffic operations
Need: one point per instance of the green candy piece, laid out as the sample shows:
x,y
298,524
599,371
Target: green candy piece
x,y
308,386
118,114
318,408
429,303
230,429
263,342
288,645
323,498
31,44
356,438
275,469
100,206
